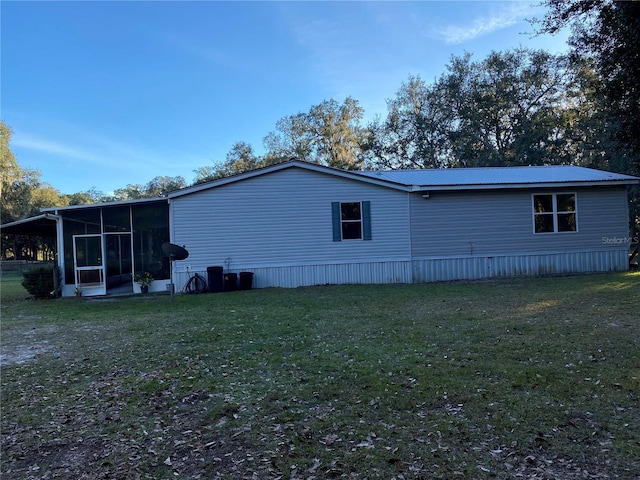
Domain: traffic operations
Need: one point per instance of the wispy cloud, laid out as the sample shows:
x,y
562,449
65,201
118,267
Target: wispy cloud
x,y
506,15
94,150
31,142
94,161
75,155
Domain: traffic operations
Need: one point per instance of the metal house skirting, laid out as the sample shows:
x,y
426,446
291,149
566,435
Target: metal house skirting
x,y
471,268
333,274
431,269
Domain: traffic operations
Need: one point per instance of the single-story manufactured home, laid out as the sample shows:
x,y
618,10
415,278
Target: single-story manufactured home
x,y
297,223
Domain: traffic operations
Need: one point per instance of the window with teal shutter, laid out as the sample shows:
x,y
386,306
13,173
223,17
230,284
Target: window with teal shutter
x,y
351,220
366,220
335,214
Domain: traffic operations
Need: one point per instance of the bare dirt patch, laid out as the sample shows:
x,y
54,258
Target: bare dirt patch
x,y
21,346
19,354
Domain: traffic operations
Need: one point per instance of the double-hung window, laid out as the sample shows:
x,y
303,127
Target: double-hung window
x,y
351,220
555,213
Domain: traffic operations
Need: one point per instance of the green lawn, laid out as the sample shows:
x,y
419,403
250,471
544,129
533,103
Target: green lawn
x,y
519,378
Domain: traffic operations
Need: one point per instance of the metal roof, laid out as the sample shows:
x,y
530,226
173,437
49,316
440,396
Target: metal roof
x,y
500,177
105,204
41,225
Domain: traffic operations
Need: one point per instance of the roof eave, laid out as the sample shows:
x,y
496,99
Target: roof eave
x,y
505,186
285,165
105,204
40,225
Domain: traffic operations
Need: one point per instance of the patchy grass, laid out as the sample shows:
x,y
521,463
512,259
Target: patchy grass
x,y
529,378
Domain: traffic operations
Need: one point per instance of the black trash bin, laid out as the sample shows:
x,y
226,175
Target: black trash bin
x,y
246,280
215,279
230,282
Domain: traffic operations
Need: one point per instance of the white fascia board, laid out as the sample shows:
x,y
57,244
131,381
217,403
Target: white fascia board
x,y
284,165
505,186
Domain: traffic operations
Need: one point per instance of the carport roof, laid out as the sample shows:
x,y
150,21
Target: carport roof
x,y
38,226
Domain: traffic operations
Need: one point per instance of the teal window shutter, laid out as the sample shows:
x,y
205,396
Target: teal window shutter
x,y
335,216
366,220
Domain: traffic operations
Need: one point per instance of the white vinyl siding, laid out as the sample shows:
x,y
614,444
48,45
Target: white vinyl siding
x,y
500,223
285,218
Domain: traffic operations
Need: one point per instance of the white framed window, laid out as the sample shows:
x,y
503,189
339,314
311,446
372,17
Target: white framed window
x,y
351,220
555,213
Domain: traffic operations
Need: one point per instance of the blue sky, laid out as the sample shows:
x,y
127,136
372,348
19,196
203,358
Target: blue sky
x,y
105,94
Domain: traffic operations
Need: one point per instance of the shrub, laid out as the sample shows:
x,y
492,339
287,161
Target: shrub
x,y
39,282
144,279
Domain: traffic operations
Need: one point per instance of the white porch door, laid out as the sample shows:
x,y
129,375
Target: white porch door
x,y
88,255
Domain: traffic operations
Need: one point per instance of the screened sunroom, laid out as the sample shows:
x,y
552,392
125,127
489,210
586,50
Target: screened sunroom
x,y
103,246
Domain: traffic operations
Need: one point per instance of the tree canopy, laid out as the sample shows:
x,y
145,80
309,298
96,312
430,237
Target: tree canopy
x,y
21,192
606,34
239,159
329,134
157,187
9,169
508,109
415,132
